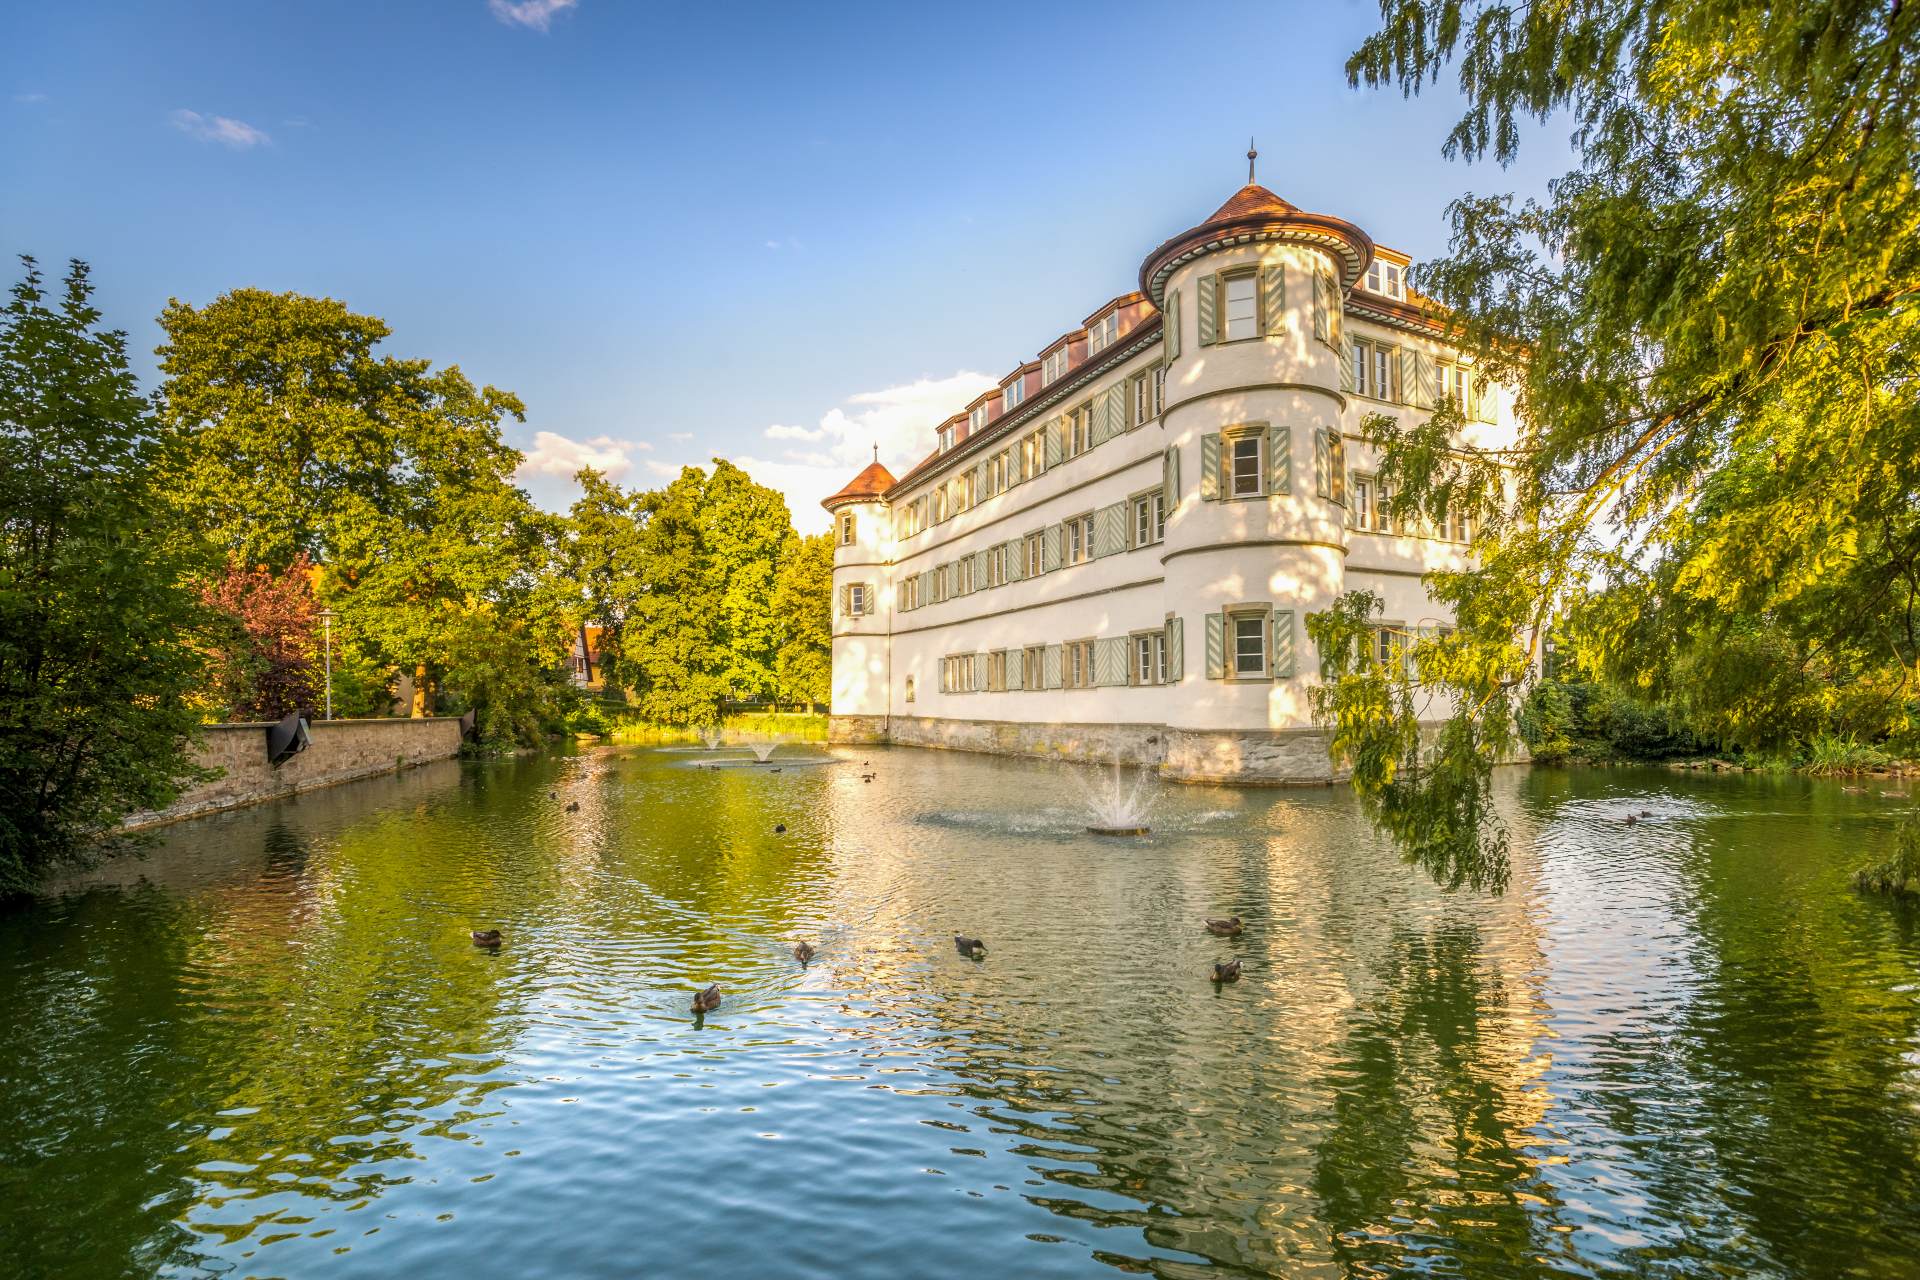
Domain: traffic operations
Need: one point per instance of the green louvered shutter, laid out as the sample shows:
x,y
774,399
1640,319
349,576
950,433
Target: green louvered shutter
x,y
979,672
1322,464
1322,327
1110,529
842,597
1422,396
1176,655
1016,671
1170,478
1409,363
1336,313
926,587
1279,460
1050,665
1348,355
1056,442
1210,466
1113,413
1216,646
1283,643
1170,329
980,493
1110,660
1485,406
1208,304
1273,301
1016,561
1054,548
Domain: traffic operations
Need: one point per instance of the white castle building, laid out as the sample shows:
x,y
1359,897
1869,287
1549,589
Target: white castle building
x,y
1116,548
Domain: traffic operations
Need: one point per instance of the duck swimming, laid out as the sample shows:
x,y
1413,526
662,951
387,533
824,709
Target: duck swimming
x,y
971,948
486,937
708,1000
1225,928
1228,972
803,952
573,806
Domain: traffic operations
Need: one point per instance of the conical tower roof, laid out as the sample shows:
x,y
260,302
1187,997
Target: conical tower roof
x,y
870,483
1254,213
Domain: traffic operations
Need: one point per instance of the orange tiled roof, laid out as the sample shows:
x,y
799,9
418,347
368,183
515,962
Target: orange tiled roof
x,y
1250,201
871,483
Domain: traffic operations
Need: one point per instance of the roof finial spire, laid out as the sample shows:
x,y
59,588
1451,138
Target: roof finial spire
x,y
1252,155
876,451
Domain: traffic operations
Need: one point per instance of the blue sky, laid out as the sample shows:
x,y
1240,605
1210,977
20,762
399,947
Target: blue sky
x,y
774,233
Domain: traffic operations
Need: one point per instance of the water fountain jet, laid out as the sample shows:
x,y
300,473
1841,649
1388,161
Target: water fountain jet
x,y
1117,807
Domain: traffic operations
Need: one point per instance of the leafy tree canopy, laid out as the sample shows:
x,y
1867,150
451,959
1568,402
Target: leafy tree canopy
x,y
1710,322
98,629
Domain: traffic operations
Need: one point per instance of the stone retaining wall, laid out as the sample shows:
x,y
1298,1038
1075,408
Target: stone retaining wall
x,y
342,750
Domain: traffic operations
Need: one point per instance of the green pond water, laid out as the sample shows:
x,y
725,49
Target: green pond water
x,y
1679,1048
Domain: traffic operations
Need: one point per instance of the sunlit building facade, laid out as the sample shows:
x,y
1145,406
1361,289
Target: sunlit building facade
x,y
1115,549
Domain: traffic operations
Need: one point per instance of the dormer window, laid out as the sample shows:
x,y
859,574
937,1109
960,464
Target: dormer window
x,y
946,439
1104,334
1014,392
978,418
1053,367
1385,278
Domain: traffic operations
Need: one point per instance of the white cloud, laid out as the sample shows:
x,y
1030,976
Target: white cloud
x,y
899,420
555,455
778,432
528,13
237,134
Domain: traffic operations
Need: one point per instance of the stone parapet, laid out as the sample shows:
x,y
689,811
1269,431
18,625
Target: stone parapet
x,y
341,751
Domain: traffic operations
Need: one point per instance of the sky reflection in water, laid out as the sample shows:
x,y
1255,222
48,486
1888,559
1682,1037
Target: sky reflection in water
x,y
270,1049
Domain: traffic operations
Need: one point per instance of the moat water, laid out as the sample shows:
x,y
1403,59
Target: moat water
x,y
1683,1047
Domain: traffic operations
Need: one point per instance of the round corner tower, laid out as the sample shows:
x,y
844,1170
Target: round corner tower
x,y
1252,301
862,554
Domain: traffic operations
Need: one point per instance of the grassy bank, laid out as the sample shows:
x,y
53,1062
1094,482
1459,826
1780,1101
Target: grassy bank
x,y
788,726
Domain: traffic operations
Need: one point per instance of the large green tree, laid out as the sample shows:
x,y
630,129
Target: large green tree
x,y
97,622
803,608
1710,322
749,533
675,635
291,435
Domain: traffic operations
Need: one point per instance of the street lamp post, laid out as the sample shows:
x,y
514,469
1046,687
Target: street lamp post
x,y
326,622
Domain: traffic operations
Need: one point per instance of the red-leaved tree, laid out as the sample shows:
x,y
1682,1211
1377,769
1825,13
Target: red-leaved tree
x,y
272,664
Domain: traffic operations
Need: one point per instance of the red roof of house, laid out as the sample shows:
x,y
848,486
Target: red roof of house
x,y
871,483
1255,212
1249,200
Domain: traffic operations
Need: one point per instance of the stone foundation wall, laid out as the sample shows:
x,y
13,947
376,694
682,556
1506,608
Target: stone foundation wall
x,y
341,751
1249,757
857,730
1137,743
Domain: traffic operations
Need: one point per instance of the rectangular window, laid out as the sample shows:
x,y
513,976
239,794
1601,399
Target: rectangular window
x,y
1238,306
1246,465
1362,509
1053,366
1080,539
1249,639
963,567
978,418
1033,455
1033,667
846,528
1104,333
1385,279
1080,430
857,600
1159,380
910,592
1036,554
1150,657
909,688
997,565
1460,524
946,439
1453,383
1078,671
1142,398
1014,393
1389,648
1149,518
997,671
1376,370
